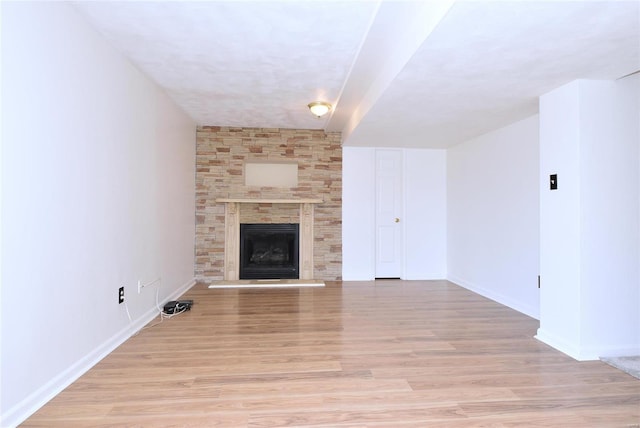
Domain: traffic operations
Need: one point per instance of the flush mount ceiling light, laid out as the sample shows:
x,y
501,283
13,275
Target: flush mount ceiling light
x,y
319,108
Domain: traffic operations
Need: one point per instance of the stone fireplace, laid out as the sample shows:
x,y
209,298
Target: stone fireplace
x,y
232,242
225,199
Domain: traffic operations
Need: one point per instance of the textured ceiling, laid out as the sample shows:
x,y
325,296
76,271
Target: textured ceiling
x,y
487,63
399,73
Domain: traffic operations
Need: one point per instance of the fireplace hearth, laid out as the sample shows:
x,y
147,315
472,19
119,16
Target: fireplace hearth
x,y
269,251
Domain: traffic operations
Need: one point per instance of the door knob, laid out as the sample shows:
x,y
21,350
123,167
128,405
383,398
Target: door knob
x,y
397,220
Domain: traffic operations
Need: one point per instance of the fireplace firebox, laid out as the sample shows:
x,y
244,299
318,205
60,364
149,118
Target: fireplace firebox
x,y
269,251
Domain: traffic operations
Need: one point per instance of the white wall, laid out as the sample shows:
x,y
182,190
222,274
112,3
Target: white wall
x,y
424,223
589,226
609,177
560,217
492,215
425,214
97,193
358,209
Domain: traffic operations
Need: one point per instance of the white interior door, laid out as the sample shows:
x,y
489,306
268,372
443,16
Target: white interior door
x,y
388,213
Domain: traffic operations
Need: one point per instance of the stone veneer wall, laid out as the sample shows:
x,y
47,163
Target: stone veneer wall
x,y
220,156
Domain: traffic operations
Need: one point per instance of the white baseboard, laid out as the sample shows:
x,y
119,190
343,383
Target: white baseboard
x,y
586,353
351,276
21,411
496,297
423,277
563,346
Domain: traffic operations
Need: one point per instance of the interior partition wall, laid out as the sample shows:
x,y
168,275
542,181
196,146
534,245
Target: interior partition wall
x,y
589,218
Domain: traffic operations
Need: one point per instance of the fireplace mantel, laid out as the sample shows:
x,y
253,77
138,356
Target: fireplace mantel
x,y
232,233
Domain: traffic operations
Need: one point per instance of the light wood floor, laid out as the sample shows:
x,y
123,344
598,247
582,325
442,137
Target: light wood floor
x,y
370,354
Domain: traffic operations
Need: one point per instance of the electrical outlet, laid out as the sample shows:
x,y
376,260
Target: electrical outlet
x,y
121,295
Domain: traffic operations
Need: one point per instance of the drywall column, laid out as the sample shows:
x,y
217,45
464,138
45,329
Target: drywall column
x,y
589,225
560,308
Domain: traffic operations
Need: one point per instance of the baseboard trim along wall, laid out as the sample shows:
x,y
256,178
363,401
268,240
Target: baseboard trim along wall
x,y
563,346
585,353
496,297
43,395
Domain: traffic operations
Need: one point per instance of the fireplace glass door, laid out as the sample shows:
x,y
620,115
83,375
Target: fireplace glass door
x,y
269,251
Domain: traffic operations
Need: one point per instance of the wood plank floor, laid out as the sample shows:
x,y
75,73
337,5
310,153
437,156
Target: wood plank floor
x,y
353,354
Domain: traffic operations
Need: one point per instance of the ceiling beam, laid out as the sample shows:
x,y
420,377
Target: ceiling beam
x,y
396,32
